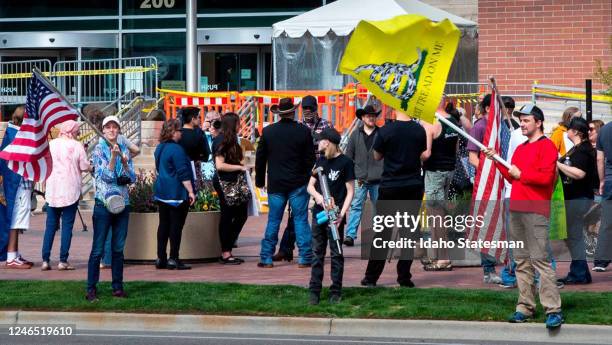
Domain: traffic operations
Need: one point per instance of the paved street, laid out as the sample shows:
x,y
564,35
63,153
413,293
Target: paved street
x,y
248,273
141,338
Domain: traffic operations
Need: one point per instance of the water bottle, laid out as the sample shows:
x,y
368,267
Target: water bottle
x,y
566,179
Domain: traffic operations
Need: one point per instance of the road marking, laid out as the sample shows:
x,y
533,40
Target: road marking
x,y
344,341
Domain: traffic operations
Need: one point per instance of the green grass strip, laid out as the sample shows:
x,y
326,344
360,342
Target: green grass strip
x,y
283,300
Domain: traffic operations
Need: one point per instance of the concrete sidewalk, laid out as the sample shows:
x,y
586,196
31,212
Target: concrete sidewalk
x,y
248,273
375,328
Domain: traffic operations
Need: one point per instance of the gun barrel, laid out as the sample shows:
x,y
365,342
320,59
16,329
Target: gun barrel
x,y
327,197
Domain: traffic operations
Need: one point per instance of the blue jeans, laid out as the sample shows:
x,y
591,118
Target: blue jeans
x,y
108,253
488,263
105,223
603,253
4,233
361,192
67,214
298,200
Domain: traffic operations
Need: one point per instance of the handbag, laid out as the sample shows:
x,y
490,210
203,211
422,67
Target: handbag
x,y
235,192
115,203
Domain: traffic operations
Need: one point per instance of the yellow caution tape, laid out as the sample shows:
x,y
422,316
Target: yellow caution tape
x,y
573,96
297,94
21,75
463,95
82,73
197,94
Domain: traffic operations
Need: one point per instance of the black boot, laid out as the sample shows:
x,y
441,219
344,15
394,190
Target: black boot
x,y
281,256
161,264
176,264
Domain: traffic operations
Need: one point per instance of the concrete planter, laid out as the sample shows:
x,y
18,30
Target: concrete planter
x,y
200,241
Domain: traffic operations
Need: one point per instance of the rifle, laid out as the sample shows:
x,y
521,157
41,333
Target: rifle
x,y
328,215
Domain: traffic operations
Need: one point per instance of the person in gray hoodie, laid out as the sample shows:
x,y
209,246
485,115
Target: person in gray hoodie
x,y
368,171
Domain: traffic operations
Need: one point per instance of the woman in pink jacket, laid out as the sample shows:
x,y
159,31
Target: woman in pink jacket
x,y
63,191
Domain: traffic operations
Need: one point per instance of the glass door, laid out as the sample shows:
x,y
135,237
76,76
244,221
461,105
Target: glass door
x,y
231,69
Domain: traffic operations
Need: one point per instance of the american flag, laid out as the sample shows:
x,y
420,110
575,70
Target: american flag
x,y
28,155
487,200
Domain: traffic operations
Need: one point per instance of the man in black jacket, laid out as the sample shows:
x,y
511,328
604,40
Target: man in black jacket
x,y
367,170
285,150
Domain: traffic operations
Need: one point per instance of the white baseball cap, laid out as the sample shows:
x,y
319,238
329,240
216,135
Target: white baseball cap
x,y
111,118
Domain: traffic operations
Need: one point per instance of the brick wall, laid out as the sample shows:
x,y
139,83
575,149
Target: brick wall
x,y
553,42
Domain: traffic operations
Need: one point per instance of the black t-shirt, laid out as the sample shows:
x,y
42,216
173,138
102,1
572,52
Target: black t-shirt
x,y
338,170
584,158
229,176
194,143
401,143
369,139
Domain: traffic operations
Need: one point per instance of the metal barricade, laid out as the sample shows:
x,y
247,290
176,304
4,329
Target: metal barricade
x,y
14,78
221,102
105,80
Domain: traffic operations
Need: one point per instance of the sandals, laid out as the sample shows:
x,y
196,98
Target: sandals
x,y
434,266
238,259
230,261
426,261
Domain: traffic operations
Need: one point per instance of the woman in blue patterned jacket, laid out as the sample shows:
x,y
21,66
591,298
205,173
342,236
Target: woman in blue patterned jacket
x,y
113,172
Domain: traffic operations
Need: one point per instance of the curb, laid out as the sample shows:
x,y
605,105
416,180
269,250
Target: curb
x,y
381,328
472,330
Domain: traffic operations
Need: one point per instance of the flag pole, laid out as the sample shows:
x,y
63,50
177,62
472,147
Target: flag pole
x,y
463,133
493,86
50,85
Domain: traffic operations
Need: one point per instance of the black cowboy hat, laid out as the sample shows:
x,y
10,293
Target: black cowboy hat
x,y
368,109
285,106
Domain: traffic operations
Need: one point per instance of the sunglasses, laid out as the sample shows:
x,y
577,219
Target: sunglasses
x,y
591,129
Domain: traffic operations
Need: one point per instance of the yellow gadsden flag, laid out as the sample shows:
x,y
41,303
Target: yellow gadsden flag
x,y
404,61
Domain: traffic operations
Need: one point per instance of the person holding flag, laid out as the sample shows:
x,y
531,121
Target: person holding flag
x,y
411,80
533,176
401,181
25,157
18,202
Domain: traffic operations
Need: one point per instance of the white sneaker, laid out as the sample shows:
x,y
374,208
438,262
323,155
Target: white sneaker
x,y
18,264
598,269
64,266
491,278
24,260
45,266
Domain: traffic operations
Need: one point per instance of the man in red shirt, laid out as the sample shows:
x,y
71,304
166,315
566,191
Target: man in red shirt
x,y
532,175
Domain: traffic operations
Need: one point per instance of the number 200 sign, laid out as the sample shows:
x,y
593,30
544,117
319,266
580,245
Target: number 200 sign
x,y
157,3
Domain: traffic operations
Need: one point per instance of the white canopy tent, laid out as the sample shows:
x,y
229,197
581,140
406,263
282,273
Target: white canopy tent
x,y
307,48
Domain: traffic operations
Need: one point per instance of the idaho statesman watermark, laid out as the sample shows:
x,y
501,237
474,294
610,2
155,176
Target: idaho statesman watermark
x,y
412,223
438,229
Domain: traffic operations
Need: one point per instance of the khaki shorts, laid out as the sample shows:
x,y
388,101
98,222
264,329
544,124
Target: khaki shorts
x,y
22,208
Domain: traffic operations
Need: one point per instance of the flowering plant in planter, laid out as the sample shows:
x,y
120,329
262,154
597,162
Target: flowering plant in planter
x,y
141,193
142,201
